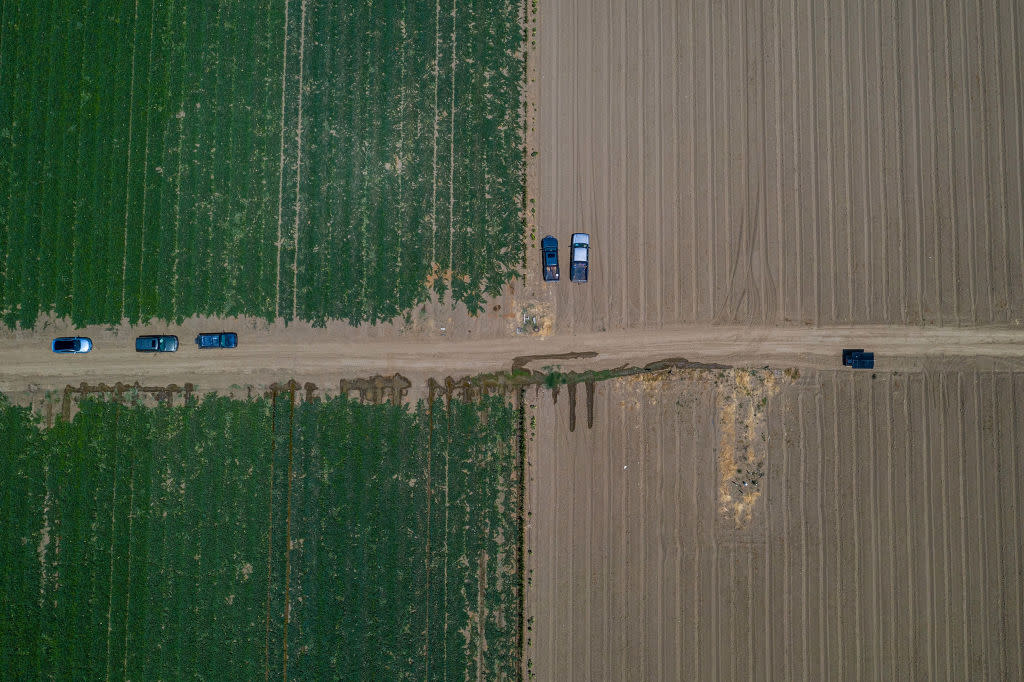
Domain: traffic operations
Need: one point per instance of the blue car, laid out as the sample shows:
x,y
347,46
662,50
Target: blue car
x,y
217,340
549,258
71,344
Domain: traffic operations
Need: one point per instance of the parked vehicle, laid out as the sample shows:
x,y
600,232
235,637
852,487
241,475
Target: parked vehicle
x,y
156,344
858,359
71,344
217,340
549,258
580,261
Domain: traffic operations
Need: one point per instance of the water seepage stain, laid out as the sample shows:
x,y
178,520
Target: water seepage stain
x,y
590,403
682,363
572,406
521,361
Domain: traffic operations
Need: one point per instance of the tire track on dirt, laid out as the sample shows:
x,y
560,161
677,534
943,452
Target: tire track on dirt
x,y
951,160
874,494
1014,514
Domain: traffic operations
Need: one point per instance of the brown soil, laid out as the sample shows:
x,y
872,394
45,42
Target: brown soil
x,y
885,542
270,355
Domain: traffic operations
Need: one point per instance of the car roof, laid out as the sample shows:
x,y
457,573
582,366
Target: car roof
x,y
580,238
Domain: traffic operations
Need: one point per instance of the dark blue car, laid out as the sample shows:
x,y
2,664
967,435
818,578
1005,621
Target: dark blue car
x,y
217,340
549,258
156,344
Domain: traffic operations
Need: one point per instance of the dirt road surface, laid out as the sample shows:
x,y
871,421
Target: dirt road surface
x,y
306,354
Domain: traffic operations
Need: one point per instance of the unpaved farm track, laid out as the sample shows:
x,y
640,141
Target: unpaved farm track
x,y
313,355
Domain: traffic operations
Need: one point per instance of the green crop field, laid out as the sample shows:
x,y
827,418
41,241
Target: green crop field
x,y
284,159
229,539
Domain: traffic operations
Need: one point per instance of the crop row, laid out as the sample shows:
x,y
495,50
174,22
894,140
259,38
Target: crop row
x,y
329,539
289,160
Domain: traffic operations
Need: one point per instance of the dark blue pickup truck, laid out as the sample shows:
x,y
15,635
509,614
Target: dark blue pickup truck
x,y
549,258
858,359
217,340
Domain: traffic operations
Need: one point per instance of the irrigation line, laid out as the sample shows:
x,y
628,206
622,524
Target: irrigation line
x,y
430,447
288,525
145,160
280,181
128,165
128,592
270,526
113,508
521,559
447,460
298,171
451,170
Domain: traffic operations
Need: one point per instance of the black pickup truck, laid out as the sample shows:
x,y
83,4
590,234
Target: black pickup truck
x,y
217,340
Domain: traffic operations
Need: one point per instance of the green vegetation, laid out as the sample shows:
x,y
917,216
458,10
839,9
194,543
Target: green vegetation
x,y
228,539
296,160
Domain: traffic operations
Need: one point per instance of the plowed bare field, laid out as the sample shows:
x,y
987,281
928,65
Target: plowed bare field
x,y
784,161
754,525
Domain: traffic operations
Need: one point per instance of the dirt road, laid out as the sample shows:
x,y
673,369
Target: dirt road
x,y
314,355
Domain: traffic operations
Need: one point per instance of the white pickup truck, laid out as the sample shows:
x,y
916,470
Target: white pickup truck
x,y
579,262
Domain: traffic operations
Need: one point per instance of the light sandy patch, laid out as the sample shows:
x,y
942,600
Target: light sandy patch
x,y
741,398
